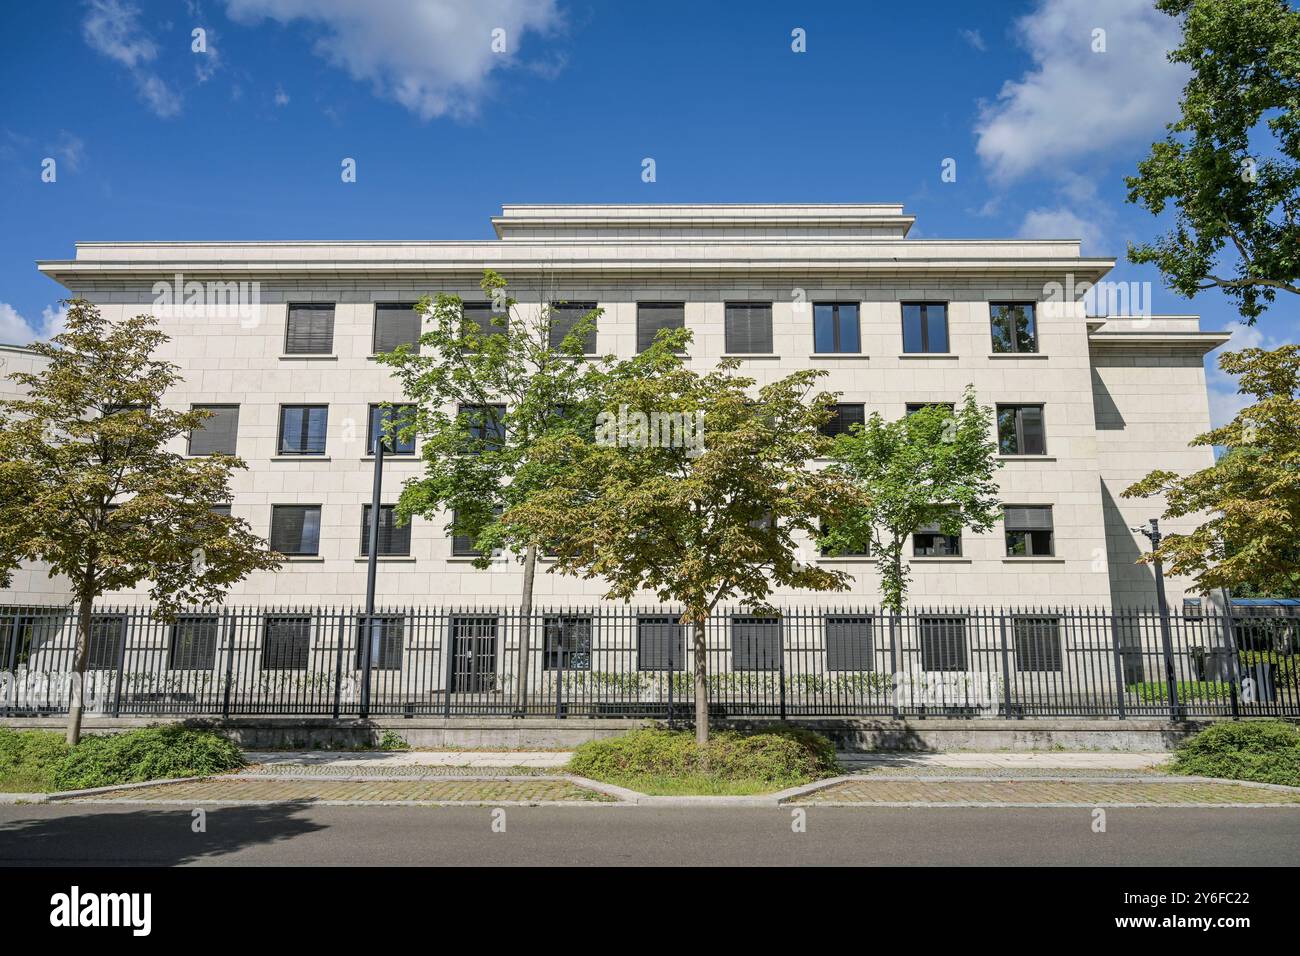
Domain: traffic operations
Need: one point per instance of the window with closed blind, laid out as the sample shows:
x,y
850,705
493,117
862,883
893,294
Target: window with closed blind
x,y
193,643
107,632
303,429
286,642
930,541
1021,431
564,319
479,318
396,324
652,317
755,643
394,539
217,433
748,328
660,643
848,643
843,417
943,643
1029,530
309,330
385,633
1037,642
295,529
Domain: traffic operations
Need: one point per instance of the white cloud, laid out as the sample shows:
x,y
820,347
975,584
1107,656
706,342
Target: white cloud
x,y
432,56
1075,102
974,38
15,330
112,28
1061,223
281,97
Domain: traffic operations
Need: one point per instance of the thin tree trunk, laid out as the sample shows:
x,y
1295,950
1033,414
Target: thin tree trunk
x,y
78,685
525,629
701,686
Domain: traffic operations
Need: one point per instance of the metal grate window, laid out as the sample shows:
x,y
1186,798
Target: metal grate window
x,y
394,539
749,328
1037,642
849,643
568,643
303,429
943,643
295,529
651,317
396,324
925,327
386,633
473,640
564,318
755,643
286,642
660,643
309,330
843,417
835,327
1020,430
217,433
193,645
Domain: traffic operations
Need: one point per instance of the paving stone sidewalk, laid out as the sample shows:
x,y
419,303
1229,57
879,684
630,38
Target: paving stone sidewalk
x,y
242,790
1047,793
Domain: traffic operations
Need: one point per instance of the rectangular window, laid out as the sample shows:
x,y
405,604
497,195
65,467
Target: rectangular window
x,y
486,426
399,417
107,632
310,330
385,633
220,510
848,643
929,541
1037,642
286,642
651,317
394,539
843,418
216,434
568,643
1028,529
835,327
462,543
1014,327
925,327
755,643
23,632
943,643
396,324
660,644
303,429
480,319
565,317
295,529
749,328
193,643
1021,431
914,407
826,552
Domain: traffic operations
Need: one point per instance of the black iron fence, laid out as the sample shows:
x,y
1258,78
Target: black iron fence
x,y
619,661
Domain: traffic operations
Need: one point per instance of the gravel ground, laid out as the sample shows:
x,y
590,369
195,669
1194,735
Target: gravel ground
x,y
1017,773
407,771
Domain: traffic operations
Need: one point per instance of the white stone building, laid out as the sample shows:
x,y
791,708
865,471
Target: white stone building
x,y
1088,405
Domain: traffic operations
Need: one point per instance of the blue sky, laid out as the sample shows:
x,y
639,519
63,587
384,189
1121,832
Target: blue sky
x,y
152,140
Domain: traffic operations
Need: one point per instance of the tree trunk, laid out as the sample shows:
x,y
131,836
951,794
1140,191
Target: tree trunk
x,y
78,682
701,686
525,629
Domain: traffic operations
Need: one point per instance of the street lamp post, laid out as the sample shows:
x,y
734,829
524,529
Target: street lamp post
x,y
372,567
1166,640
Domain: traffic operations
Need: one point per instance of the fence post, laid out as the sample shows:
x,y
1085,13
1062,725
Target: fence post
x,y
1006,667
11,667
121,662
338,665
448,648
559,668
893,664
1234,668
672,642
230,630
780,666
1119,663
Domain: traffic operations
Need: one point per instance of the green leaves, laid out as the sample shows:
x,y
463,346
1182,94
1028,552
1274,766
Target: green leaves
x,y
1230,164
88,486
1251,540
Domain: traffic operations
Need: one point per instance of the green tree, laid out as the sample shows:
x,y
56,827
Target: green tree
x,y
1251,537
1230,163
88,486
485,395
705,517
934,466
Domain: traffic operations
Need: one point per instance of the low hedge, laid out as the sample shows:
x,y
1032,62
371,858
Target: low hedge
x,y
154,753
29,759
1266,751
784,754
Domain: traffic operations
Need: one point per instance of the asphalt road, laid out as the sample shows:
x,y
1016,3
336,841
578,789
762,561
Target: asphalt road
x,y
301,834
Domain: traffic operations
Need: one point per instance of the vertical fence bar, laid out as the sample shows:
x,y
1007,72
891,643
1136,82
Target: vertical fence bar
x,y
1119,665
1006,667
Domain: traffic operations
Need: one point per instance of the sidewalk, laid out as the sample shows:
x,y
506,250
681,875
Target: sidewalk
x,y
367,761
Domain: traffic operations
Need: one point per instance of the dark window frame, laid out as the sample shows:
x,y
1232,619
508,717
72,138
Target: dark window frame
x,y
934,656
726,328
289,661
481,426
580,310
288,326
391,449
837,327
760,652
837,425
395,307
387,644
306,507
469,313
564,649
211,406
280,449
398,535
651,656
1036,646
925,348
1011,335
1019,431
1031,544
665,305
841,658
186,659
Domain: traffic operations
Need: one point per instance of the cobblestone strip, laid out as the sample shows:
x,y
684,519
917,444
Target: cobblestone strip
x,y
1046,792
218,790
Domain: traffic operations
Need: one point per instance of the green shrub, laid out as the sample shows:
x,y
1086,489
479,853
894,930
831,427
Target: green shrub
x,y
154,753
1158,691
1266,751
29,758
392,740
787,755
